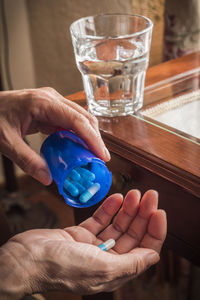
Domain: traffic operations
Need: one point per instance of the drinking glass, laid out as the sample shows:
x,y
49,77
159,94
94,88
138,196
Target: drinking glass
x,y
112,54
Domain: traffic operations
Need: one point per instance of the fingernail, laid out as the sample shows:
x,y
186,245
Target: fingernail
x,y
44,177
152,258
163,212
107,153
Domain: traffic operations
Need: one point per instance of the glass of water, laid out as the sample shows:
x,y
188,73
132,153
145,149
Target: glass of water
x,y
112,53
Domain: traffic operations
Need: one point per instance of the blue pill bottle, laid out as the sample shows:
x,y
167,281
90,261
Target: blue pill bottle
x,y
65,152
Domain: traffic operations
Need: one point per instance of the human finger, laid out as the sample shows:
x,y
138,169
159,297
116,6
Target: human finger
x,y
104,214
156,232
59,114
123,218
132,265
124,267
138,227
29,161
92,119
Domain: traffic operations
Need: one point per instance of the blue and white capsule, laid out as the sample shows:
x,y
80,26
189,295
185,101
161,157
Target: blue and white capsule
x,y
107,245
89,193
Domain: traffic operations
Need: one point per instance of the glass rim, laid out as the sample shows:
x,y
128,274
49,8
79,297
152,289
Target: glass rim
x,y
98,37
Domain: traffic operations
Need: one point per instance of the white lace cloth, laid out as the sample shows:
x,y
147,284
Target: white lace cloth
x,y
181,113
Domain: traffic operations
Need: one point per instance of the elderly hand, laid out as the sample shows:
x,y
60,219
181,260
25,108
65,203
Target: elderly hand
x,y
70,260
42,110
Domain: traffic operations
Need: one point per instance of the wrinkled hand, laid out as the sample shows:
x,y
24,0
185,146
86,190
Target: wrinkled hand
x,y
70,260
29,111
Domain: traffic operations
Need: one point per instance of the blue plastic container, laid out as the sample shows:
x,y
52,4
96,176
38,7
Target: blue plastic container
x,y
65,151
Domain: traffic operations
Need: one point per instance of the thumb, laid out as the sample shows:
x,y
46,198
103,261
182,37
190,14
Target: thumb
x,y
27,159
125,267
144,258
136,261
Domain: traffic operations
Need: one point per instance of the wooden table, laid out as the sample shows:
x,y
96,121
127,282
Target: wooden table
x,y
145,156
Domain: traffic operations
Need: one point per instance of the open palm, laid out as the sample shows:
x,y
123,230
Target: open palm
x,y
137,223
70,260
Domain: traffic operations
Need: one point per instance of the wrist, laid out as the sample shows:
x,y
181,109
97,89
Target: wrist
x,y
16,271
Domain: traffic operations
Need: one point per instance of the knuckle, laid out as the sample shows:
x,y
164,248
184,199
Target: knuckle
x,y
133,234
48,89
39,102
36,100
93,120
139,266
80,119
118,227
31,95
8,143
26,164
50,93
84,123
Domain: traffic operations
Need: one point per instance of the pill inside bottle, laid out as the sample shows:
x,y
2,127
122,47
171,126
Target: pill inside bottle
x,y
80,183
89,193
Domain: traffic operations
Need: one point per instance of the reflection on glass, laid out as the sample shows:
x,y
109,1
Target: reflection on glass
x,y
174,104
